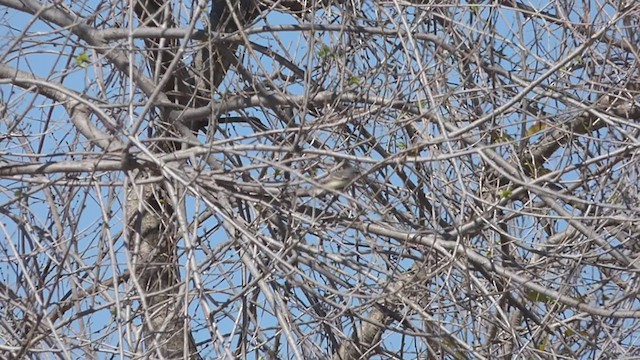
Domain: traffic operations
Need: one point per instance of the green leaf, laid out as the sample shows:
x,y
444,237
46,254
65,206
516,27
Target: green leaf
x,y
615,199
325,51
82,60
539,297
536,128
505,193
542,346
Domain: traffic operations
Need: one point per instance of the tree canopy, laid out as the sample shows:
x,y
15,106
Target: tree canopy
x,y
166,167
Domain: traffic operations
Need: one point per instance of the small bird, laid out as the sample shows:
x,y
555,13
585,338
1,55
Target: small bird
x,y
338,180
